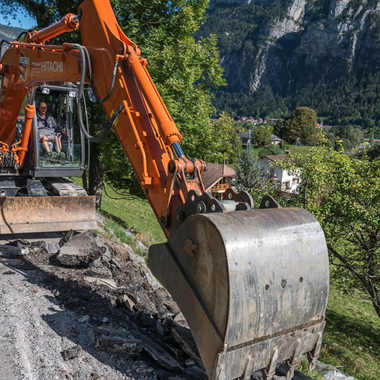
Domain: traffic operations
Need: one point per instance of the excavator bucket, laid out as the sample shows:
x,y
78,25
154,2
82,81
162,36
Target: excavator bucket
x,y
252,285
46,214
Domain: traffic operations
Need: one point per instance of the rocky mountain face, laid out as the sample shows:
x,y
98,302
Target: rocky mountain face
x,y
8,33
288,44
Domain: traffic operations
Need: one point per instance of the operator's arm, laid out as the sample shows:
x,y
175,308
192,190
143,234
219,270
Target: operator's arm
x,y
53,123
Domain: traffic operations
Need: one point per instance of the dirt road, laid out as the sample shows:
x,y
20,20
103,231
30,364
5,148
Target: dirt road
x,y
90,311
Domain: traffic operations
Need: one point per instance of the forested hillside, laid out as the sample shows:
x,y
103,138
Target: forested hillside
x,y
278,55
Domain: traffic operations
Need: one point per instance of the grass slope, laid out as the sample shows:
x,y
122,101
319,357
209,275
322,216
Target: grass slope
x,y
134,214
351,340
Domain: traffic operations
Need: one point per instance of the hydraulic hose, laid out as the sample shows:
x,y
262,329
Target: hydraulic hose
x,y
106,130
90,75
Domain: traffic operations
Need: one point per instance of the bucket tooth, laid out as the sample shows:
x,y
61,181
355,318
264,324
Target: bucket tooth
x,y
249,368
313,355
292,363
269,372
220,372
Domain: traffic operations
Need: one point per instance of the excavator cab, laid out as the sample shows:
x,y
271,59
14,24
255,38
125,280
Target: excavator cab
x,y
69,158
37,196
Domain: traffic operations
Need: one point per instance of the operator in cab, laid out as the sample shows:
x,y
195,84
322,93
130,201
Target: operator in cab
x,y
49,131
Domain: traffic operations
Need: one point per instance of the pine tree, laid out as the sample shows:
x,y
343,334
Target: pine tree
x,y
250,176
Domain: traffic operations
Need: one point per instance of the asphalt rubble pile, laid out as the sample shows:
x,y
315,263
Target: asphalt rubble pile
x,y
120,314
118,300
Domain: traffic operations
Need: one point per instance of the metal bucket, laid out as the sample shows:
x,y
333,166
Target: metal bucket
x,y
252,285
46,214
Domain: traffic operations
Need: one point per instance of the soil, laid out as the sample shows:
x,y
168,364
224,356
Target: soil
x,y
80,307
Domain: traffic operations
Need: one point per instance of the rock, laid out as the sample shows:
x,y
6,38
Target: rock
x,y
12,262
66,238
142,246
116,263
117,340
305,45
163,294
185,340
142,368
39,245
129,301
53,248
71,353
101,282
82,250
22,243
329,372
195,373
134,256
150,279
73,257
107,256
85,318
98,269
121,316
8,272
159,355
119,251
11,252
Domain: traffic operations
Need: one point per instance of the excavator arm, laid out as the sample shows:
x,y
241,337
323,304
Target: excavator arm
x,y
252,283
145,129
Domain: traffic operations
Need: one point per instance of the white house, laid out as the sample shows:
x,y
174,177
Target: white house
x,y
281,179
275,140
246,137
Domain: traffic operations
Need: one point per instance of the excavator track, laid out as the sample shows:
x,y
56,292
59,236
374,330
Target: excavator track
x,y
64,187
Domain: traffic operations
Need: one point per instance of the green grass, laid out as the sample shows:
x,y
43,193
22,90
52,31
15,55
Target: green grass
x,y
296,149
134,214
351,341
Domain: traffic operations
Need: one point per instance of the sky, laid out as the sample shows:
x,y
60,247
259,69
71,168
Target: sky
x,y
22,21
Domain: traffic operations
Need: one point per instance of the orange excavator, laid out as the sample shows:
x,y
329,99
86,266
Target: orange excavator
x,y
252,283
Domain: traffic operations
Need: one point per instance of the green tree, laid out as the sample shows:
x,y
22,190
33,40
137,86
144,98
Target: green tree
x,y
250,175
371,138
262,135
374,152
270,150
226,141
302,124
344,195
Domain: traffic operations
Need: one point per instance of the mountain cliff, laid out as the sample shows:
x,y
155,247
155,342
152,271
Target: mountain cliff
x,y
289,43
9,33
